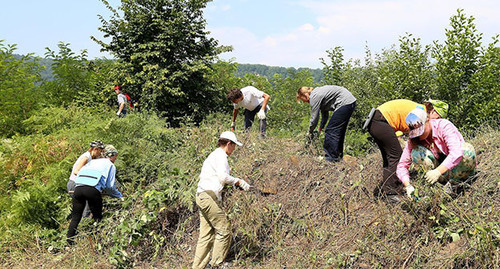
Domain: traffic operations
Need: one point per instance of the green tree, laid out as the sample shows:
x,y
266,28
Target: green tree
x,y
405,72
222,76
486,87
456,63
286,115
165,53
78,80
333,72
18,78
361,78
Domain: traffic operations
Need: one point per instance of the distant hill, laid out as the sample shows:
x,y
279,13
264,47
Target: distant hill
x,y
269,71
260,69
46,73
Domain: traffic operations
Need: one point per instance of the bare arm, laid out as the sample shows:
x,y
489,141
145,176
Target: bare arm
x,y
79,165
266,100
122,105
235,113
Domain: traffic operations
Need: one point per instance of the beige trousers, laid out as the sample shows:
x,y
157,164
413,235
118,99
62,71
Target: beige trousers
x,y
215,232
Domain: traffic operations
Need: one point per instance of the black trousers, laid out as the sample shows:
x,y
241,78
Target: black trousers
x,y
335,133
250,117
391,151
81,196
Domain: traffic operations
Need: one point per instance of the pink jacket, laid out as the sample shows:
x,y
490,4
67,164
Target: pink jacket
x,y
448,141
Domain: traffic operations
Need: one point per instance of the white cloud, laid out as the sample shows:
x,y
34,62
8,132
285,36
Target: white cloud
x,y
306,27
353,25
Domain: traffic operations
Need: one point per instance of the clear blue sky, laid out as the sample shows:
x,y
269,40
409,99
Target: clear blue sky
x,y
273,32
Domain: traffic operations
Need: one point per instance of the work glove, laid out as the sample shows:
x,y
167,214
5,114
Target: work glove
x,y
232,126
261,115
243,185
432,176
409,190
118,113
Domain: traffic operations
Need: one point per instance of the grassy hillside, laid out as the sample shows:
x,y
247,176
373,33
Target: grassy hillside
x,y
322,214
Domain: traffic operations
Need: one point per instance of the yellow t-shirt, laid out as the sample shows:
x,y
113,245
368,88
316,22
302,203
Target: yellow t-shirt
x,y
395,112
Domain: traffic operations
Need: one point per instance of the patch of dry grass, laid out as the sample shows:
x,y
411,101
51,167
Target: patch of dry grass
x,y
324,215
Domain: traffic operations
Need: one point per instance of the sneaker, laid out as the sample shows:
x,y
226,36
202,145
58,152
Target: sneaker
x,y
225,265
393,199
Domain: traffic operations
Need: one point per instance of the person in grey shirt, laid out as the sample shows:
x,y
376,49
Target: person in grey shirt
x,y
325,99
122,102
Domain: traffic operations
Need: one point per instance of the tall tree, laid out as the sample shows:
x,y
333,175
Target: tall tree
x,y
18,76
456,63
405,72
77,79
165,52
333,71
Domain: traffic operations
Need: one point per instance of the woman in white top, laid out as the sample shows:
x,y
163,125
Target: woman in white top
x,y
95,151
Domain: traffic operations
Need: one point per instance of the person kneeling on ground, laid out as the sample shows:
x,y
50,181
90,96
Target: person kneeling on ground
x,y
94,178
215,228
436,109
325,99
435,144
255,103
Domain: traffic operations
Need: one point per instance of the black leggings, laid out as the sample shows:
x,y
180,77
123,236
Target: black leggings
x,y
391,151
81,196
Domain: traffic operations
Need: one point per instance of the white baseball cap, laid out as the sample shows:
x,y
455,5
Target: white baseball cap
x,y
416,121
231,137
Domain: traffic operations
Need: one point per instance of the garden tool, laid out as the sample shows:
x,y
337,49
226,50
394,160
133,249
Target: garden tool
x,y
263,191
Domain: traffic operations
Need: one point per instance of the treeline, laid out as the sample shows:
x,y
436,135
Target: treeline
x,y
271,71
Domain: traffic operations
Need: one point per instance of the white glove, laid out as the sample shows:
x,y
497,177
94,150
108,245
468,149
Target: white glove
x,y
409,190
261,115
432,176
243,185
232,125
118,113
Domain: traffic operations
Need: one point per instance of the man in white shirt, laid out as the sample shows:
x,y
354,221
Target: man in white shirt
x,y
215,228
255,103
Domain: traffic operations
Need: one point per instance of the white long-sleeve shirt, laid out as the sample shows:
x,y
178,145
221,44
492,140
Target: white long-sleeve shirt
x,y
215,173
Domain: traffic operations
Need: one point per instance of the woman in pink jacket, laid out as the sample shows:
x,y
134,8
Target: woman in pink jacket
x,y
438,146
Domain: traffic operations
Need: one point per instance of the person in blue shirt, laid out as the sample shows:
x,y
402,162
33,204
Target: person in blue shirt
x,y
95,178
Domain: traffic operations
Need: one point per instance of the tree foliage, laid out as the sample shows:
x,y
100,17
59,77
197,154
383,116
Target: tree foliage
x,y
270,71
77,80
460,72
18,78
457,62
165,52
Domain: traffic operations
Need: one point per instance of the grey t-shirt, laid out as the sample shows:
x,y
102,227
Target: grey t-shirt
x,y
122,99
327,98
